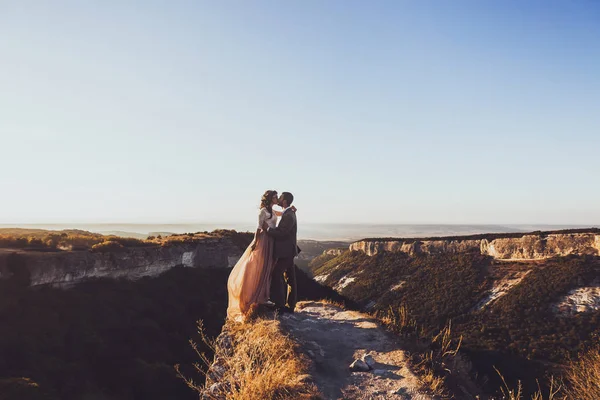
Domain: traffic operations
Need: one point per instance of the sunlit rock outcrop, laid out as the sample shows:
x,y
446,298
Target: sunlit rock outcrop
x,y
501,287
64,268
580,300
525,247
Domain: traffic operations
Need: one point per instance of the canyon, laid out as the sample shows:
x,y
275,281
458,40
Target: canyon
x,y
516,296
66,268
518,302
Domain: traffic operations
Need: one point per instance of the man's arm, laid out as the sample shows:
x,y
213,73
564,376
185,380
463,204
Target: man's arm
x,y
284,228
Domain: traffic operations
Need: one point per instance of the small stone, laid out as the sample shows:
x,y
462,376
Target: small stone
x,y
359,366
225,345
401,392
369,360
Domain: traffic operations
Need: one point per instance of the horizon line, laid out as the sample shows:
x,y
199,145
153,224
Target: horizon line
x,y
309,222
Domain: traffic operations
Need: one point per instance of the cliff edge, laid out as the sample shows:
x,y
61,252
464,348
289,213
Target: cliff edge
x,y
512,247
67,268
325,352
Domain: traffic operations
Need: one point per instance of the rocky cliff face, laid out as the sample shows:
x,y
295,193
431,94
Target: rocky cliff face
x,y
526,247
333,252
71,267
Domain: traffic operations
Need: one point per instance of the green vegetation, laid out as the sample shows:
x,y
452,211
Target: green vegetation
x,y
77,240
314,250
348,261
523,321
519,334
319,261
42,240
488,236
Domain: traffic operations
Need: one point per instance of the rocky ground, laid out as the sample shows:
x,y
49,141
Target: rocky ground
x,y
335,339
580,300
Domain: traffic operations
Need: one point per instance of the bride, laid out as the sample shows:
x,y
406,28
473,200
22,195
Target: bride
x,y
250,280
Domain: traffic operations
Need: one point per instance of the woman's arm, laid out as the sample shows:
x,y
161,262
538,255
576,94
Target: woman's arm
x,y
255,241
262,219
262,226
279,213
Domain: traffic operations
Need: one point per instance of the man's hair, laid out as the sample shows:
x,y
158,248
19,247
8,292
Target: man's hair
x,y
287,196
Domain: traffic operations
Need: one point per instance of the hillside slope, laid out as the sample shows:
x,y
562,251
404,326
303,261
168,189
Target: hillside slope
x,y
526,318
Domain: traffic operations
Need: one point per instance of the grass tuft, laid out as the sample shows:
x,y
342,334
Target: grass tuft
x,y
554,391
583,376
254,360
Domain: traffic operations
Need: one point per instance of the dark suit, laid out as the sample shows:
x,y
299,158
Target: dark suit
x,y
285,249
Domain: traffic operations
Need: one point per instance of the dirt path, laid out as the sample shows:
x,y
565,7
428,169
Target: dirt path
x,y
333,338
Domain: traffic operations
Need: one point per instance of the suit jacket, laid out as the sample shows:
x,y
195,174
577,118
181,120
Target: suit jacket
x,y
285,235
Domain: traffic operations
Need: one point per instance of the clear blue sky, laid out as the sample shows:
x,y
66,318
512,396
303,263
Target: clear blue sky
x,y
368,111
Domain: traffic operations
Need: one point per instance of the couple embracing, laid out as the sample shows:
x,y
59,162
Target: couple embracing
x,y
265,273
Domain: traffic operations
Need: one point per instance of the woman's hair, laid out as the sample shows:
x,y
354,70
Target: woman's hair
x,y
267,201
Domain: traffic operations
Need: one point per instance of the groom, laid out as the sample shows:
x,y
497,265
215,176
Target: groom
x,y
285,250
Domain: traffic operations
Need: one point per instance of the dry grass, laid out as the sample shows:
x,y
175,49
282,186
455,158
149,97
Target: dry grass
x,y
399,321
443,360
554,391
431,381
439,362
254,361
434,358
583,376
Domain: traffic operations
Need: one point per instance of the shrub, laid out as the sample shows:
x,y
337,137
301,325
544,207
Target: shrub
x,y
109,245
319,261
520,333
583,376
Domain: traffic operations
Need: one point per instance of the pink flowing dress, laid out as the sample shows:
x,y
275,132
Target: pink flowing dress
x,y
250,280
